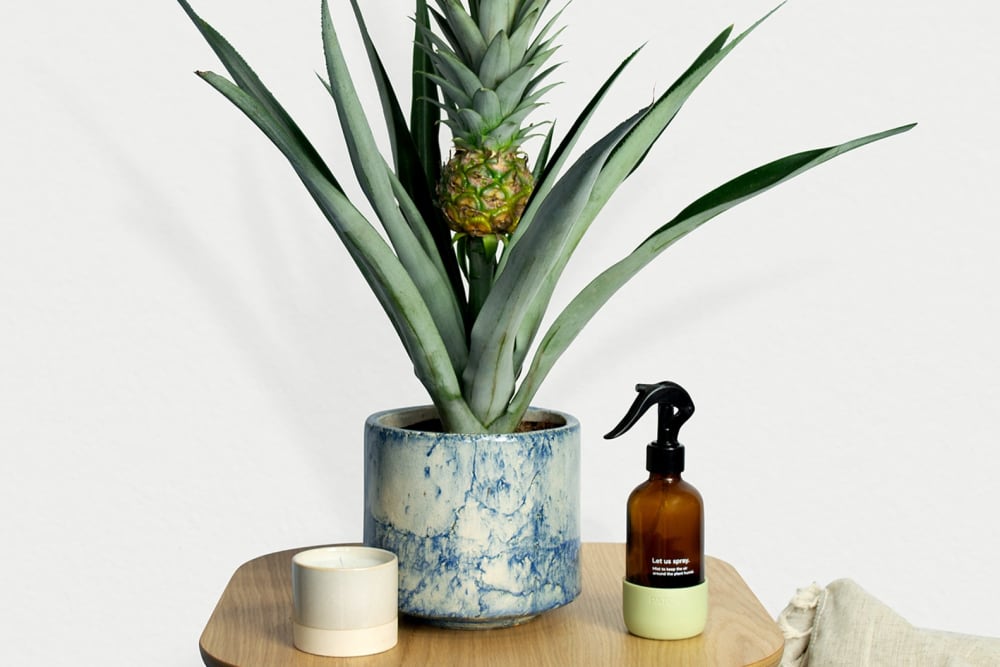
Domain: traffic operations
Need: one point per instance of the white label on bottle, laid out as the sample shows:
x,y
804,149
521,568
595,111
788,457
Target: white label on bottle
x,y
671,567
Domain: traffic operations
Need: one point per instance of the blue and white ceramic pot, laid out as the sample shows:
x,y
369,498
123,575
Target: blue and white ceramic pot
x,y
486,527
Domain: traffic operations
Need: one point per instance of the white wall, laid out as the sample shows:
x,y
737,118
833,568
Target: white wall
x,y
187,355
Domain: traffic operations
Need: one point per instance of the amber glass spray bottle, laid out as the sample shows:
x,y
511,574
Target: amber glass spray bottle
x,y
665,594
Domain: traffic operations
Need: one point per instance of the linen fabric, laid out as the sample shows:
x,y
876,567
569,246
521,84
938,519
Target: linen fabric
x,y
842,625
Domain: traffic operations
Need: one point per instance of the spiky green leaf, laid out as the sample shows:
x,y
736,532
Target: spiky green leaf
x,y
490,376
432,233
585,305
547,178
495,16
388,279
244,77
453,96
496,65
424,116
512,89
370,170
486,103
417,155
521,37
542,159
455,70
466,37
622,161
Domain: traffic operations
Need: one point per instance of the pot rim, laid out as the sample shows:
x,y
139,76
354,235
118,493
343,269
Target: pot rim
x,y
418,413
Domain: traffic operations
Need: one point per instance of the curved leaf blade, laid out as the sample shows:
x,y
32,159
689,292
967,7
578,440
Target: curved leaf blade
x,y
244,77
410,162
489,378
624,160
369,167
424,116
548,168
585,305
385,274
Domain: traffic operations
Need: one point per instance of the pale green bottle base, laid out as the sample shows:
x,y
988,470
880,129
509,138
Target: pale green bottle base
x,y
665,613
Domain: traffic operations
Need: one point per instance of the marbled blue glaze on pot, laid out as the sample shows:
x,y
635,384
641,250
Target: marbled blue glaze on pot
x,y
486,527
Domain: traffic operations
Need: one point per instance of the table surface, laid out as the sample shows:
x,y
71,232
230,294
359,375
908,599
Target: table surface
x,y
252,627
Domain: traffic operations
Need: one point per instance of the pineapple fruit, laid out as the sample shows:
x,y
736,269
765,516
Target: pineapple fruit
x,y
483,192
488,67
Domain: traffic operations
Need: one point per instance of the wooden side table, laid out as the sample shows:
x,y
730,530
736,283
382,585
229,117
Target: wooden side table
x,y
251,627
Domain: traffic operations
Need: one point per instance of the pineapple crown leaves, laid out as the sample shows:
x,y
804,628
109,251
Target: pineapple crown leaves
x,y
487,67
474,377
473,32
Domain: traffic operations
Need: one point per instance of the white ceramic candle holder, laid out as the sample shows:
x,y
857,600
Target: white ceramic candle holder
x,y
346,600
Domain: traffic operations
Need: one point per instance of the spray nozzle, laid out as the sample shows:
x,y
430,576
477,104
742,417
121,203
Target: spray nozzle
x,y
675,407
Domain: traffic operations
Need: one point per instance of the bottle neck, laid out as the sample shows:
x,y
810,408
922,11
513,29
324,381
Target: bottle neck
x,y
665,460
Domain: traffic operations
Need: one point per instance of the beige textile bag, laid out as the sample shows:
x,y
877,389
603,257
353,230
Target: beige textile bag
x,y
844,626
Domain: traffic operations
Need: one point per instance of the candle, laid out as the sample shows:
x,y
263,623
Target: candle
x,y
345,600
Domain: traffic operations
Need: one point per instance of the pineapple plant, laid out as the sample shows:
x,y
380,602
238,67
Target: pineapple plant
x,y
469,315
488,64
